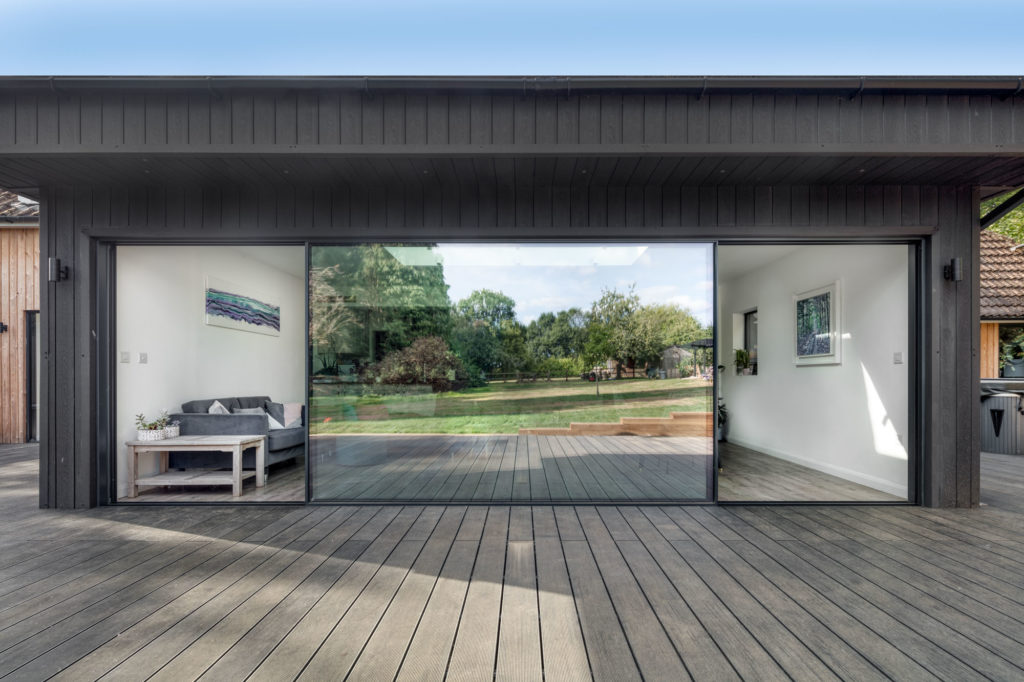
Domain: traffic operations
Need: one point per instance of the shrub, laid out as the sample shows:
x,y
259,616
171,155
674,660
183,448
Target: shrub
x,y
427,361
561,367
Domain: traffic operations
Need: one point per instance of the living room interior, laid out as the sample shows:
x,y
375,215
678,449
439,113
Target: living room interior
x,y
210,345
813,372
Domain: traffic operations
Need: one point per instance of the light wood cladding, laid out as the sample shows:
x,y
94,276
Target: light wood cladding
x,y
19,291
989,350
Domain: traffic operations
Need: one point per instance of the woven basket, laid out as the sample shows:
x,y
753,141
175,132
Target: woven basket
x,y
172,431
151,434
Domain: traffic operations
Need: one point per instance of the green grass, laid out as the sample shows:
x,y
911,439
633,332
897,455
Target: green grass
x,y
504,407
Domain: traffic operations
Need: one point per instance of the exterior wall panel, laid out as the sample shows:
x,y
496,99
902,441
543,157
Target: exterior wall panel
x,y
457,212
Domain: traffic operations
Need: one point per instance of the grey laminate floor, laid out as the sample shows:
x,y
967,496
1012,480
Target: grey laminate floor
x,y
751,476
573,592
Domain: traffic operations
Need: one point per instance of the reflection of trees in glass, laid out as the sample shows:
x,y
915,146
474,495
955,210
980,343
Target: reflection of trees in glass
x,y
369,304
486,334
330,318
624,331
426,361
557,335
365,303
813,335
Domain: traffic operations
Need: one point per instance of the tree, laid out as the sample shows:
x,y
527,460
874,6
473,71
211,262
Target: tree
x,y
389,303
327,327
672,324
427,361
609,327
1010,225
490,307
477,345
487,335
557,335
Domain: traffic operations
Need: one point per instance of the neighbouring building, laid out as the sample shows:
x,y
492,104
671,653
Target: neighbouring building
x,y
19,318
1002,300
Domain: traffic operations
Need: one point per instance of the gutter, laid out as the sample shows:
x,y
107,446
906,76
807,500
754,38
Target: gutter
x,y
850,86
19,221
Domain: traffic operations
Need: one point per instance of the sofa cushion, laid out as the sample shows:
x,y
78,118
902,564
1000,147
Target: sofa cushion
x,y
276,412
203,406
218,408
248,410
280,439
252,401
293,413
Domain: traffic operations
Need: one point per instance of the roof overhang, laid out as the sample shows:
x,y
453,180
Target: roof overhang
x,y
906,156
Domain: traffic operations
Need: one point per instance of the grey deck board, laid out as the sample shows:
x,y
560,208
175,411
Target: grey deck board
x,y
526,592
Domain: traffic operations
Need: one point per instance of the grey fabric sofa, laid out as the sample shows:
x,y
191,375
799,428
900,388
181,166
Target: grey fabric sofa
x,y
195,420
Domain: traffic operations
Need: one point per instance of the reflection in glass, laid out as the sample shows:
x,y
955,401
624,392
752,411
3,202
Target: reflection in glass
x,y
524,372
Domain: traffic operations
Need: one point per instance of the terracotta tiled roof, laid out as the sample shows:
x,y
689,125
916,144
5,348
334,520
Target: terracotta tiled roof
x,y
12,206
1002,277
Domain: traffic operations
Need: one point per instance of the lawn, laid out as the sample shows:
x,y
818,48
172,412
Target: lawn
x,y
503,407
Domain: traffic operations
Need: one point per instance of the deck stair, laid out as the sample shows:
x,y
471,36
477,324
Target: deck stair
x,y
677,424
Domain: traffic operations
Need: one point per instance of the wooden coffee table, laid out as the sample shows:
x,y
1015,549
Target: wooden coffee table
x,y
235,445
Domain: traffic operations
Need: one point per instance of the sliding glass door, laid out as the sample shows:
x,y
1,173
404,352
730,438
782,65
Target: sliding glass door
x,y
511,372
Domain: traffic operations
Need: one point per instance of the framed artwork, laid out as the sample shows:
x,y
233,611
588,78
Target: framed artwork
x,y
817,340
235,307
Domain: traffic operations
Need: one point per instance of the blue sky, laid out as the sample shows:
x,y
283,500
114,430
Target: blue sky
x,y
375,37
549,278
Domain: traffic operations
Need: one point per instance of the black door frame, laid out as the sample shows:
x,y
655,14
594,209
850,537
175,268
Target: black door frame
x,y
918,251
32,363
105,393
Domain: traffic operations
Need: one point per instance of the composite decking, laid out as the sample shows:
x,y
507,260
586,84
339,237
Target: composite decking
x,y
573,592
510,468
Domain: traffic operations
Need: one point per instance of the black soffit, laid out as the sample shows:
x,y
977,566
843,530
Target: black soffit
x,y
426,173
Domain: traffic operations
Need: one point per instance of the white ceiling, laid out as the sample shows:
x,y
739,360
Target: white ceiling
x,y
736,261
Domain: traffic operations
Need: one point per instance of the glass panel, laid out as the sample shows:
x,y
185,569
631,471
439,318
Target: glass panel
x,y
528,372
827,415
1011,350
210,351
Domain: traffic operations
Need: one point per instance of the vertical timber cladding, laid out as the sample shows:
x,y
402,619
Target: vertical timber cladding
x,y
19,265
67,472
951,444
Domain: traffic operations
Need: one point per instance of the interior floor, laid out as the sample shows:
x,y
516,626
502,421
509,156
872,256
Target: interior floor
x,y
751,476
286,482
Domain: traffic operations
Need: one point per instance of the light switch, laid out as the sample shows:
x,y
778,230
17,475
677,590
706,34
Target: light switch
x,y
143,358
126,356
897,358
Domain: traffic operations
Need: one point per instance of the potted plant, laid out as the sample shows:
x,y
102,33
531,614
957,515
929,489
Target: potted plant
x,y
1011,358
150,430
172,429
742,361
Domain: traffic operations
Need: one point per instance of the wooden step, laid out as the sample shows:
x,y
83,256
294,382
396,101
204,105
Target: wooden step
x,y
679,424
647,420
544,431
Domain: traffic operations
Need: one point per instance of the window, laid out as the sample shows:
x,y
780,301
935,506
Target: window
x,y
750,338
1011,350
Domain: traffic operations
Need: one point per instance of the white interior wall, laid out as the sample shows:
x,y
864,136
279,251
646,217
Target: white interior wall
x,y
161,312
849,420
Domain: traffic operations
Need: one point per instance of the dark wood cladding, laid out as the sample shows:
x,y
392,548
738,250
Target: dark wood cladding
x,y
194,119
453,210
76,219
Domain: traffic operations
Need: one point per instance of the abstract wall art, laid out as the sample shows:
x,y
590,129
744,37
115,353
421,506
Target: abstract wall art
x,y
234,307
817,339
